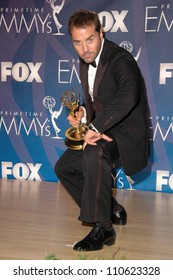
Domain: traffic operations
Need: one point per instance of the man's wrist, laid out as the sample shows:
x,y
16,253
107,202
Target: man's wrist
x,y
92,127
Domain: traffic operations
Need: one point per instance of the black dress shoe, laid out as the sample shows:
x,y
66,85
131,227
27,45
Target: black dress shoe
x,y
119,217
96,239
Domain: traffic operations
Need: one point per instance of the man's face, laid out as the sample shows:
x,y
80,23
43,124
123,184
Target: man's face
x,y
87,42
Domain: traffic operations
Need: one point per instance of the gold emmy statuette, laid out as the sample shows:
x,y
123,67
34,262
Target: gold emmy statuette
x,y
74,135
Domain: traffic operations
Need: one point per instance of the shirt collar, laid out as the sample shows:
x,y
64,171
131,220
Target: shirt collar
x,y
98,57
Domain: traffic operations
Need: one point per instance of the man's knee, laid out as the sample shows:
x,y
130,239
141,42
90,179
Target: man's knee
x,y
91,154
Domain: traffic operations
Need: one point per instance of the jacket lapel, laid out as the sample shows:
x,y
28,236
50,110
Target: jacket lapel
x,y
99,75
103,63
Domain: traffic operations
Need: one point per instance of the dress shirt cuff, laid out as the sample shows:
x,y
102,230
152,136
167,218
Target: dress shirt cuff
x,y
83,119
92,127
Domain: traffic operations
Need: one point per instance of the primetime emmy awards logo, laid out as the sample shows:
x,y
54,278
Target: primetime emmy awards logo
x,y
121,180
129,47
49,103
56,9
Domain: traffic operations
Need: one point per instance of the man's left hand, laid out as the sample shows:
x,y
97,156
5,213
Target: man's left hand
x,y
91,137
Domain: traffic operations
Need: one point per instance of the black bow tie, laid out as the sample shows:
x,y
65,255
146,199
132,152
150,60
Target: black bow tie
x,y
93,63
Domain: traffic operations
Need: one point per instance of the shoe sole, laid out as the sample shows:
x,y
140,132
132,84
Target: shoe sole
x,y
110,241
120,223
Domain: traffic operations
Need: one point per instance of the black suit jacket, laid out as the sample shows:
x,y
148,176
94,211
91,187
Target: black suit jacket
x,y
120,107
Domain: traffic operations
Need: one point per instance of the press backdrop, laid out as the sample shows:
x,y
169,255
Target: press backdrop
x,y
38,63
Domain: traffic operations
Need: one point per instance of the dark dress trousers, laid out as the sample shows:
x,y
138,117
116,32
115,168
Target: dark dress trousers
x,y
119,110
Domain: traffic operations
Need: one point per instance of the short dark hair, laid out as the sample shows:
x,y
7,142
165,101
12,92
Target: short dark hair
x,y
84,18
